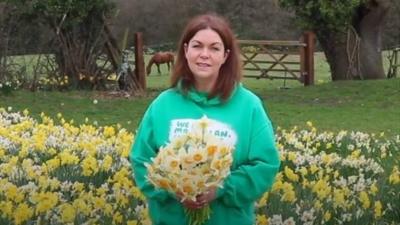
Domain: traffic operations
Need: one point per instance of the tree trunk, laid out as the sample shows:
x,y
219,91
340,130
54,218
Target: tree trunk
x,y
337,54
356,54
369,28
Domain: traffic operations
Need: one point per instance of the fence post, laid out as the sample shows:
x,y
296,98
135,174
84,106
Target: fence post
x,y
302,54
139,60
309,39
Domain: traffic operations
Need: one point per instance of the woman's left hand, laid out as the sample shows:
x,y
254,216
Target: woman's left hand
x,y
201,200
207,197
189,203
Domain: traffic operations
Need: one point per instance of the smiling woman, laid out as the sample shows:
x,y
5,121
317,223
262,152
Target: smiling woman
x,y
206,84
208,57
205,55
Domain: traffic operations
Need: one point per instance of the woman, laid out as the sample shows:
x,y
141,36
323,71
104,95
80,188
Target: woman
x,y
206,81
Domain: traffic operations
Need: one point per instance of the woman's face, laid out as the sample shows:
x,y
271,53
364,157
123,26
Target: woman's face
x,y
205,53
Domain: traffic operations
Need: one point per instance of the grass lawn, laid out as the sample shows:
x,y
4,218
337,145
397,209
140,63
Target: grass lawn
x,y
369,106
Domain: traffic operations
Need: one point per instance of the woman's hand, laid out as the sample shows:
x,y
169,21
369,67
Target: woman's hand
x,y
207,196
189,203
192,204
201,200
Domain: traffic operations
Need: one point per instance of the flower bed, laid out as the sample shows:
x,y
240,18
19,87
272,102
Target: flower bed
x,y
334,178
65,174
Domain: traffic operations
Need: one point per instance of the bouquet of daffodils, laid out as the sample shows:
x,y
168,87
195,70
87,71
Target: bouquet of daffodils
x,y
191,164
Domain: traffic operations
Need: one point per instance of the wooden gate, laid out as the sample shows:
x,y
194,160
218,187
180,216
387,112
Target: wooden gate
x,y
292,60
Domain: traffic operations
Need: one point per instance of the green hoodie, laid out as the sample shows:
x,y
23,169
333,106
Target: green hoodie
x,y
241,120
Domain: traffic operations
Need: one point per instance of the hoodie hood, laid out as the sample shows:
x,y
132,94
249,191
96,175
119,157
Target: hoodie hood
x,y
201,97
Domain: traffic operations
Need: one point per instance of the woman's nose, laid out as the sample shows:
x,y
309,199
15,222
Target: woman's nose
x,y
204,53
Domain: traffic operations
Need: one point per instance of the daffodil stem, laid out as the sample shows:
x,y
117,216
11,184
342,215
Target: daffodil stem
x,y
198,216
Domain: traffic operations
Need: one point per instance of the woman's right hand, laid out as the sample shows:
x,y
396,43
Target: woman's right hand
x,y
192,204
189,203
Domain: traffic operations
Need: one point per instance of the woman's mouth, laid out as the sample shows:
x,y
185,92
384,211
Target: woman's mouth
x,y
203,64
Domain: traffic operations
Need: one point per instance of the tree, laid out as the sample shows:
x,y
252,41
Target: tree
x,y
78,27
80,38
349,32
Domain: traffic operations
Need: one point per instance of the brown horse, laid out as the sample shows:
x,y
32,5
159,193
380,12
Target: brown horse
x,y
160,58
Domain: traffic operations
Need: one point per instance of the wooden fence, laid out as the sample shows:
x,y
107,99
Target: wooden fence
x,y
292,60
